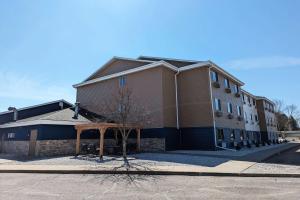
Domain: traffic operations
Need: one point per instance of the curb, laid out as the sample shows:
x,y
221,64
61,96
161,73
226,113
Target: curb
x,y
156,173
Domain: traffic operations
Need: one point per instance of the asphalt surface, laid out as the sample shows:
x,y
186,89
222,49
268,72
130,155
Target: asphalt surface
x,y
290,157
50,186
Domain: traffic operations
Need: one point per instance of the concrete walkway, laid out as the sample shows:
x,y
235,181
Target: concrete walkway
x,y
221,166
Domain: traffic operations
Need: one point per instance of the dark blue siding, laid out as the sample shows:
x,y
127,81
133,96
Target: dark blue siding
x,y
198,138
21,133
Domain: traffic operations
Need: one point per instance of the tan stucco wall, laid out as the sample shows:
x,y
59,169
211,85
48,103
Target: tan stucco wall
x,y
118,66
225,98
146,87
169,98
194,98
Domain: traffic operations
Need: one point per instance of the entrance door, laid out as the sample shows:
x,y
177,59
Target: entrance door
x,y
32,142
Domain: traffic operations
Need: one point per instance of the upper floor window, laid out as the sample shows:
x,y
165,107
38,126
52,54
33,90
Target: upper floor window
x,y
122,81
253,101
226,83
249,99
229,107
251,117
256,118
214,76
243,96
236,89
218,104
245,115
239,110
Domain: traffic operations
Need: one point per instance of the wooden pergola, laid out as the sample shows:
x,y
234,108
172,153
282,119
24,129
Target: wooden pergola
x,y
102,127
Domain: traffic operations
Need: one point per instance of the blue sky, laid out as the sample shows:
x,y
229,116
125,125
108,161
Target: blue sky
x,y
46,46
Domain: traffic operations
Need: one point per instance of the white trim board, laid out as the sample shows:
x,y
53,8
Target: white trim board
x,y
41,122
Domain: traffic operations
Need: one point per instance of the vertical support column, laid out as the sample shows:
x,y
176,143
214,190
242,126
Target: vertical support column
x,y
138,142
2,143
102,132
78,142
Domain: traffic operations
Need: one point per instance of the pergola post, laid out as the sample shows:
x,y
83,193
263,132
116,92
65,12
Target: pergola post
x,y
102,132
138,142
78,142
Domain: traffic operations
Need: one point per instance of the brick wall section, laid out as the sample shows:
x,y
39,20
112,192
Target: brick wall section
x,y
16,147
67,147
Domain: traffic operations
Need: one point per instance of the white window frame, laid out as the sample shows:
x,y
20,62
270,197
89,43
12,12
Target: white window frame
x,y
218,106
229,108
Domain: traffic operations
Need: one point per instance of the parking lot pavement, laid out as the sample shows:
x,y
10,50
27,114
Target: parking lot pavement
x,y
50,186
287,162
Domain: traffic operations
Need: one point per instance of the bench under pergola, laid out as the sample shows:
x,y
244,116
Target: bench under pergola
x,y
102,127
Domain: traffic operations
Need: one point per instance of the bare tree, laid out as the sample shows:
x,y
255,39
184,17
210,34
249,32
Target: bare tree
x,y
281,118
293,116
122,108
288,116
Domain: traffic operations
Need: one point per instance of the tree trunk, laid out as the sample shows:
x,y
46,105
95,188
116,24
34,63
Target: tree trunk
x,y
124,147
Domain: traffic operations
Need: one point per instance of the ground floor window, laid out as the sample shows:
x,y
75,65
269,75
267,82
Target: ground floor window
x,y
242,135
220,134
232,134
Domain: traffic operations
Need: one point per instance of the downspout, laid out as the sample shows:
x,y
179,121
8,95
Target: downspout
x,y
177,108
176,94
213,115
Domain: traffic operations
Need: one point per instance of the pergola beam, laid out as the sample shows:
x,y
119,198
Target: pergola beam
x,y
102,127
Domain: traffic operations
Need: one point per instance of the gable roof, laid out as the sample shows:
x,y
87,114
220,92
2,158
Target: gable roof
x,y
165,63
264,98
113,59
173,61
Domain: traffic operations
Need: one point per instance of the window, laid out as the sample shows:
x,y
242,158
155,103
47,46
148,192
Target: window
x,y
253,101
239,110
226,83
245,116
122,81
214,76
11,135
256,118
220,134
232,135
251,117
236,89
243,96
271,121
229,107
218,104
242,135
249,99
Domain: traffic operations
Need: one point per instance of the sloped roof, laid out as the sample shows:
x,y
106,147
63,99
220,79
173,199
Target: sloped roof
x,y
61,117
182,65
38,105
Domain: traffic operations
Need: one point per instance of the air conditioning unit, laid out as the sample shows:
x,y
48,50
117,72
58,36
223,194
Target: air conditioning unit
x,y
224,144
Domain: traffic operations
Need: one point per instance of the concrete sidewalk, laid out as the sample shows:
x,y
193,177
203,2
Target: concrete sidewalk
x,y
225,168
